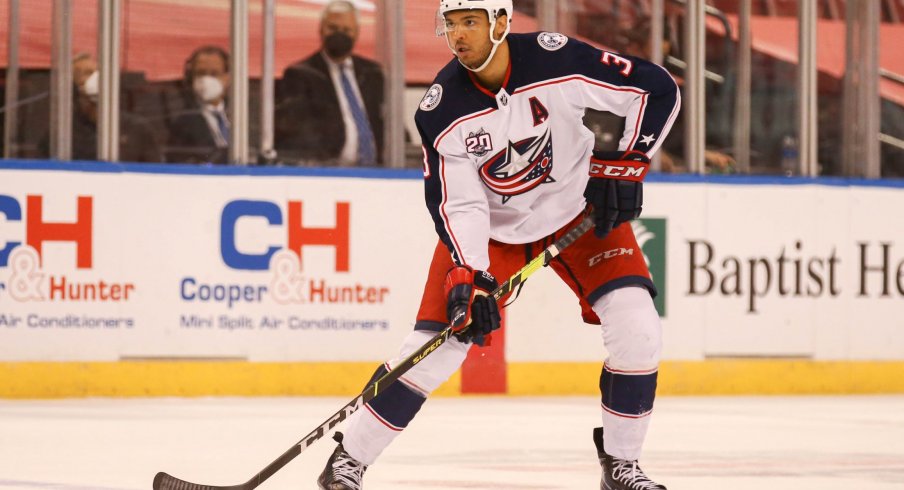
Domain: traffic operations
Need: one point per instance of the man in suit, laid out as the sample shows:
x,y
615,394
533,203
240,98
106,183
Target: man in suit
x,y
137,142
331,108
201,132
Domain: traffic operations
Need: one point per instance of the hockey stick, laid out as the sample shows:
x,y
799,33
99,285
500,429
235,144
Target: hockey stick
x,y
164,481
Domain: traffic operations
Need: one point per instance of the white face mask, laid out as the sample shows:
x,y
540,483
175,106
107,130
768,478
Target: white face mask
x,y
208,88
92,86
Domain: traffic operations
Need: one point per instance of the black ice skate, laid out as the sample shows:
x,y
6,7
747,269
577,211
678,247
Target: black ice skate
x,y
342,471
621,474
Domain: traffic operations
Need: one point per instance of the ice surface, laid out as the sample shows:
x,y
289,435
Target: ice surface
x,y
737,443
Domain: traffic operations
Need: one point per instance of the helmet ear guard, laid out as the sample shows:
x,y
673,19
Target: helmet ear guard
x,y
493,8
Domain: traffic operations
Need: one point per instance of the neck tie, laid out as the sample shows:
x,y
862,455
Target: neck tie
x,y
367,152
222,124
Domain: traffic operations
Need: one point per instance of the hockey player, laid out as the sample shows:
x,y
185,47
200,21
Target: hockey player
x,y
509,167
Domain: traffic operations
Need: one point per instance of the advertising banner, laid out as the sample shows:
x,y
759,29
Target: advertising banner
x,y
109,266
292,266
750,268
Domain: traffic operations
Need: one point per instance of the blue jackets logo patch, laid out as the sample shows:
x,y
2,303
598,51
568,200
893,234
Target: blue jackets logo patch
x,y
519,168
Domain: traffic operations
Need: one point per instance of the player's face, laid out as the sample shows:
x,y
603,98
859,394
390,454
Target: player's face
x,y
468,33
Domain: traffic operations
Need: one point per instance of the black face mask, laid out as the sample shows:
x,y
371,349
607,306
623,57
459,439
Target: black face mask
x,y
338,44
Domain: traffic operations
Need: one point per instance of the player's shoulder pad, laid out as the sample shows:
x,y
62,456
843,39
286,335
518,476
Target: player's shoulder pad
x,y
552,41
446,100
551,54
553,44
444,82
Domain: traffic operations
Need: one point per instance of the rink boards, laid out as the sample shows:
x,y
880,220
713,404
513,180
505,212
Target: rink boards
x,y
135,280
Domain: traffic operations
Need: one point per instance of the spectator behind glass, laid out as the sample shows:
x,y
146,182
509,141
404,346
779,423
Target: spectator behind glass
x,y
136,139
331,105
635,41
201,133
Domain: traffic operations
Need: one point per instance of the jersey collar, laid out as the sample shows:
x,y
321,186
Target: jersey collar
x,y
484,90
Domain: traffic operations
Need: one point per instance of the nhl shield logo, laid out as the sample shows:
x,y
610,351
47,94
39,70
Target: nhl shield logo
x,y
551,41
432,97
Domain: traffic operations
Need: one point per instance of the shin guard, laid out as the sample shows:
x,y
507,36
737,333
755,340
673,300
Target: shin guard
x,y
627,400
633,337
397,405
628,394
371,429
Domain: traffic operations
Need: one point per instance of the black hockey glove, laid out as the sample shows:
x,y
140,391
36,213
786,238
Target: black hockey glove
x,y
615,188
472,313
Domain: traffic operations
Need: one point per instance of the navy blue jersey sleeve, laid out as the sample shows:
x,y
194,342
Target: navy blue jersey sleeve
x,y
453,191
641,91
433,189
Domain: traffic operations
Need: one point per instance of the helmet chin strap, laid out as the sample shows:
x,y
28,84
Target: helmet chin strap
x,y
495,42
489,57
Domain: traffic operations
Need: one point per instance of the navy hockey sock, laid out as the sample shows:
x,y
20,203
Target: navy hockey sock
x,y
628,393
397,405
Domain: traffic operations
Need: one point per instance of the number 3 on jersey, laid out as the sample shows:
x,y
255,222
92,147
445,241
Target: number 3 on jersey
x,y
610,59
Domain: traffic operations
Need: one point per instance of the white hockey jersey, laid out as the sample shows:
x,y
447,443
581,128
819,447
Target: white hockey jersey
x,y
512,166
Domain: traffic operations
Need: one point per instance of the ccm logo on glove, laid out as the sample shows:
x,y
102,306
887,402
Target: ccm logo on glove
x,y
633,171
615,188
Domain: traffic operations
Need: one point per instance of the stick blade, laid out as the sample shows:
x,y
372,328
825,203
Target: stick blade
x,y
164,481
